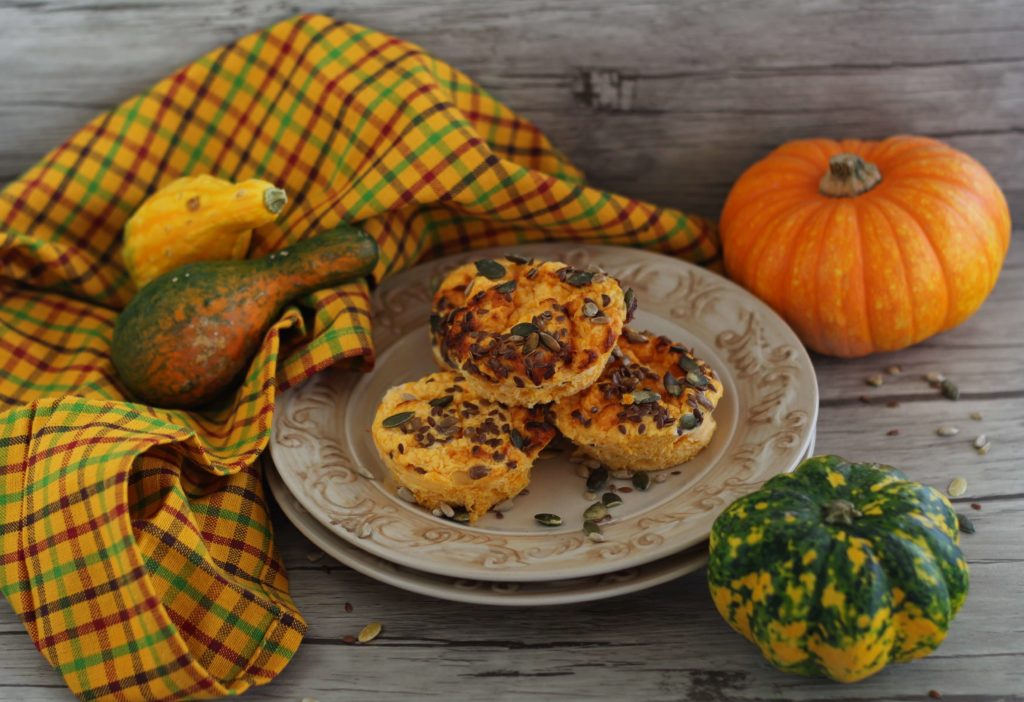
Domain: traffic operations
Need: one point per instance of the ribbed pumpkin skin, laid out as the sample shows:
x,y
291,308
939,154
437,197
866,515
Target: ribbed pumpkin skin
x,y
913,256
837,600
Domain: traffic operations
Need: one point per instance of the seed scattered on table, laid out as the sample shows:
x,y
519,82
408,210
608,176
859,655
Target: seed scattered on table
x,y
893,432
892,403
947,431
957,487
935,694
934,378
348,608
660,478
348,639
977,416
369,632
984,448
589,496
598,479
893,370
980,441
949,390
874,380
964,523
865,399
975,505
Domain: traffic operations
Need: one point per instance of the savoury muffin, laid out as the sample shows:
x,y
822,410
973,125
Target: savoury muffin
x,y
650,409
447,445
527,332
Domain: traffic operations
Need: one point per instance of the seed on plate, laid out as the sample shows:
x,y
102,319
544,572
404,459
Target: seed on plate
x,y
590,309
550,341
595,511
947,431
622,474
984,448
582,471
589,496
964,523
977,416
547,519
369,632
934,378
642,481
490,269
397,420
660,478
610,499
447,510
591,463
949,390
874,380
461,516
437,512
957,487
893,370
980,441
406,494
504,505
592,530
598,479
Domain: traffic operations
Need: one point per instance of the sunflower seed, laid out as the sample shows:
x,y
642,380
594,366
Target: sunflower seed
x,y
984,448
461,516
437,512
490,269
592,530
630,299
447,510
409,397
550,341
598,479
532,341
672,385
600,319
634,336
523,329
506,287
467,291
397,420
369,632
893,370
622,474
595,511
442,401
517,439
934,378
406,494
980,441
947,431
949,390
957,487
977,416
590,309
874,380
642,481
610,499
504,506
479,472
547,519
964,523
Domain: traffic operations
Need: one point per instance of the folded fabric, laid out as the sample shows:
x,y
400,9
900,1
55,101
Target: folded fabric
x,y
136,545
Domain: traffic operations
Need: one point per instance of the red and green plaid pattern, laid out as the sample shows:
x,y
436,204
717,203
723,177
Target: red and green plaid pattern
x,y
135,541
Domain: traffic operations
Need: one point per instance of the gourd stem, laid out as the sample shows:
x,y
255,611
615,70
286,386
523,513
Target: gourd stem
x,y
840,512
848,176
274,199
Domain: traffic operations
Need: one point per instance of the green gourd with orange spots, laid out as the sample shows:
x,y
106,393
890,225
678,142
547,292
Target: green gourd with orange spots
x,y
839,568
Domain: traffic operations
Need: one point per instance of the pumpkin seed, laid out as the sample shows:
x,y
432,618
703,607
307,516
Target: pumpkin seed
x,y
634,336
672,385
688,364
547,519
595,511
523,329
696,379
964,523
592,530
550,341
507,287
957,487
642,481
629,298
977,416
580,278
598,479
874,380
980,441
516,258
478,472
622,474
984,449
590,309
687,421
947,431
369,632
504,505
642,397
490,269
397,420
934,378
893,370
442,401
611,499
462,516
949,390
406,494
435,323
517,439
447,510
531,344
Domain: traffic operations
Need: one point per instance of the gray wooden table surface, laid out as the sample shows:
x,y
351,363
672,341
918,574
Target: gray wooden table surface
x,y
668,101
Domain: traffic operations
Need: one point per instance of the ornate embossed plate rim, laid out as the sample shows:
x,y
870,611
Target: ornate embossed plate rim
x,y
775,426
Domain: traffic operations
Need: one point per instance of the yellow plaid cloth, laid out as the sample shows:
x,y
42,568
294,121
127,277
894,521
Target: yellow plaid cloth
x,y
136,545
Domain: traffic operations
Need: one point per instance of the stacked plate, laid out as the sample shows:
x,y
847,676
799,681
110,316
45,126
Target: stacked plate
x,y
331,484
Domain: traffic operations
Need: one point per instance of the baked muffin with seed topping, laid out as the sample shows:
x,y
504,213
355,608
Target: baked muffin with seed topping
x,y
650,409
527,332
449,447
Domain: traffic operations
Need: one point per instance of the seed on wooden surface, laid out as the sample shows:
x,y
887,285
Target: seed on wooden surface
x,y
369,632
622,474
949,390
447,510
610,499
595,511
947,431
893,432
348,607
547,519
964,523
975,505
642,481
980,441
504,505
597,480
397,420
984,448
935,694
977,416
348,639
590,309
490,269
894,370
592,530
865,399
892,403
874,380
406,494
957,487
934,378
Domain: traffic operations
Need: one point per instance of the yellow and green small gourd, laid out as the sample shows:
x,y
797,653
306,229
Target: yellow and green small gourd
x,y
839,568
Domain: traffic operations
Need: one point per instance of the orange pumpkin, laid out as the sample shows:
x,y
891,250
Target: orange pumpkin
x,y
866,246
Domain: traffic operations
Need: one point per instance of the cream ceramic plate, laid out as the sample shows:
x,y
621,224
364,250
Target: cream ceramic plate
x,y
322,447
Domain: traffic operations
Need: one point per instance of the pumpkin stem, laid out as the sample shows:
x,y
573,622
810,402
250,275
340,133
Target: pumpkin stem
x,y
848,176
840,512
274,199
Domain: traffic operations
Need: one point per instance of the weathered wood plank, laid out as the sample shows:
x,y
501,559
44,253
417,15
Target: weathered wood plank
x,y
662,100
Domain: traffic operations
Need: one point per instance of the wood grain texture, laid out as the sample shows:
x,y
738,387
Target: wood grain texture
x,y
667,101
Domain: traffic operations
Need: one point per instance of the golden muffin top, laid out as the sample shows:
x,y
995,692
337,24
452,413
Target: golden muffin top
x,y
651,385
436,425
520,322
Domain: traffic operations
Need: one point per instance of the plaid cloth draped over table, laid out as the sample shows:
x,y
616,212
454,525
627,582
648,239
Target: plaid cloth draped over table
x,y
136,545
